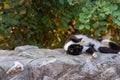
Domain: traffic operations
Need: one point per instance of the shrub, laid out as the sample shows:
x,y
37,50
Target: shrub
x,y
47,23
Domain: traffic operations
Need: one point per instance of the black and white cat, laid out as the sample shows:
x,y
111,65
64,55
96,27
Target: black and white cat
x,y
78,44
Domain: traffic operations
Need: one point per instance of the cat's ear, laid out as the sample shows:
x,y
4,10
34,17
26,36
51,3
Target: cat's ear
x,y
80,39
77,40
99,39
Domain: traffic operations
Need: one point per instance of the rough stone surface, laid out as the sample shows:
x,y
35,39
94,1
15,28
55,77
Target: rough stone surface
x,y
45,64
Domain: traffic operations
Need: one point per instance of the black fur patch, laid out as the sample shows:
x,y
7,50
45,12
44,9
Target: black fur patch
x,y
114,46
107,50
90,50
75,49
99,39
74,39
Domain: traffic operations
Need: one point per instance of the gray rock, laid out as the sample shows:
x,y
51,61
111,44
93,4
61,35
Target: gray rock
x,y
46,64
26,47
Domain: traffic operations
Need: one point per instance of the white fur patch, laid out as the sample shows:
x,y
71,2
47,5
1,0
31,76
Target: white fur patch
x,y
97,44
67,45
105,42
86,41
84,49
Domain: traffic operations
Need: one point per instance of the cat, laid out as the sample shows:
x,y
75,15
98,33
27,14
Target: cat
x,y
79,44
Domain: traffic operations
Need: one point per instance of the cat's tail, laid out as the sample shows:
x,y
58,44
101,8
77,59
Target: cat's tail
x,y
108,50
113,47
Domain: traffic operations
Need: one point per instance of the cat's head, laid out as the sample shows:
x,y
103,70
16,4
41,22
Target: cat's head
x,y
75,49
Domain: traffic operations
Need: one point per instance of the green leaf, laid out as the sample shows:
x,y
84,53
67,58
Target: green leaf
x,y
116,13
15,22
95,25
17,17
85,10
88,5
118,18
81,15
103,29
114,7
117,1
102,16
81,27
76,26
7,31
108,3
104,3
93,9
116,21
89,16
98,3
97,33
107,10
83,18
61,1
102,23
87,27
70,2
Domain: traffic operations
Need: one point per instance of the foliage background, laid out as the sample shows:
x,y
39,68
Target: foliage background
x,y
48,23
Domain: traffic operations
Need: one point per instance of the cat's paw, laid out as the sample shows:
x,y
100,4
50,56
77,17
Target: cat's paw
x,y
94,55
119,52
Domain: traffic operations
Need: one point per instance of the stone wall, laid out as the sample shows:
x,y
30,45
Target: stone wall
x,y
32,63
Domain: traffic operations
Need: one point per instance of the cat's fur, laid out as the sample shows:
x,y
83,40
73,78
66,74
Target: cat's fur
x,y
78,44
